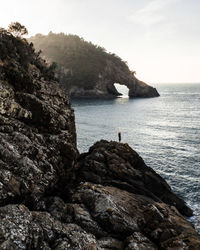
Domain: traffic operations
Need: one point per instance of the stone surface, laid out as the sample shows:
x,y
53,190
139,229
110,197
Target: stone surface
x,y
37,130
130,202
118,219
117,164
22,229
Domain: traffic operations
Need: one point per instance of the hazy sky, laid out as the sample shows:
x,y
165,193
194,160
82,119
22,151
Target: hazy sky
x,y
160,39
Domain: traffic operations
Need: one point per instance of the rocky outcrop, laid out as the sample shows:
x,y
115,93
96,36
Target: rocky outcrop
x,y
106,198
118,165
87,70
104,86
37,130
130,201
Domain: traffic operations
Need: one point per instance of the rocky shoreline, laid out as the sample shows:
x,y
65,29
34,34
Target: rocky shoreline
x,y
105,89
52,197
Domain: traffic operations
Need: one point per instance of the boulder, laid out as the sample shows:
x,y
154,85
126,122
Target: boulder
x,y
117,164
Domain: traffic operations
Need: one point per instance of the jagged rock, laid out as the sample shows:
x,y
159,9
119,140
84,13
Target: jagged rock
x,y
73,213
37,130
108,199
130,201
165,226
122,220
22,229
117,164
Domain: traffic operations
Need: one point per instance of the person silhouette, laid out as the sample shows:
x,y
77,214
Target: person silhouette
x,y
119,136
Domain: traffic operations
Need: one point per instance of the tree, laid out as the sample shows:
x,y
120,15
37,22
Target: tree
x,y
17,29
53,66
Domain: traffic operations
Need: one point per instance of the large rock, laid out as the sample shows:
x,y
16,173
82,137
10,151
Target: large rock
x,y
129,201
119,220
117,164
87,70
37,130
104,86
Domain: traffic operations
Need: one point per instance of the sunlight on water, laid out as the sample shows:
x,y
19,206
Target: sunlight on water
x,y
122,100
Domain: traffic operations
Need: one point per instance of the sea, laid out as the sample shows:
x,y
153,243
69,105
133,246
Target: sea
x,y
165,131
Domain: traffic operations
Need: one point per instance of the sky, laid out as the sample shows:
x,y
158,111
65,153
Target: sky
x,y
160,39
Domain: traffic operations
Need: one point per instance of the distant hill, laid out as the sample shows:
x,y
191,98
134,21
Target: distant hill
x,y
87,70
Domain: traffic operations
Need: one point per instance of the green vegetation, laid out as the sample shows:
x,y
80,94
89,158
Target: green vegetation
x,y
17,29
17,56
79,62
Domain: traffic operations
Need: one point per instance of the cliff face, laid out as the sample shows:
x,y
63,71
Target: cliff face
x,y
88,71
37,130
104,85
106,199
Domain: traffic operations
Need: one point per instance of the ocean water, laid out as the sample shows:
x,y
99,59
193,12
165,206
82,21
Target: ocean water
x,y
165,131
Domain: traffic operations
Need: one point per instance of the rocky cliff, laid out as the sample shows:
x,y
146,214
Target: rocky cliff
x,y
53,198
104,86
87,70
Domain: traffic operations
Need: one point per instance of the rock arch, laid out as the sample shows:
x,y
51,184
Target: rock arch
x,y
122,89
136,87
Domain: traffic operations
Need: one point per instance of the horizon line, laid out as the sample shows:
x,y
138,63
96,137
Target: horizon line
x,y
174,82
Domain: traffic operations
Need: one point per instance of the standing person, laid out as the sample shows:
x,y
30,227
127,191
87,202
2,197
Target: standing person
x,y
119,136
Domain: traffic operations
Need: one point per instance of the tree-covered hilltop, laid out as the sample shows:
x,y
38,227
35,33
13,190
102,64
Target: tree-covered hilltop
x,y
85,69
84,60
